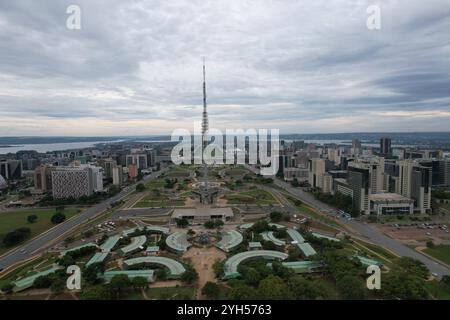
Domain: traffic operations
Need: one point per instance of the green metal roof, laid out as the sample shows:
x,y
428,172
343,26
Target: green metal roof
x,y
322,236
97,257
246,226
255,245
306,249
301,266
152,249
148,274
276,225
178,241
269,236
295,235
90,244
368,262
230,240
176,268
136,244
157,229
110,243
27,282
233,262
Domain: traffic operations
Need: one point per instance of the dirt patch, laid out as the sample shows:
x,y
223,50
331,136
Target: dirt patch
x,y
202,259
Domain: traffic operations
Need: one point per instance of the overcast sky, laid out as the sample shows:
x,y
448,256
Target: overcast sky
x,y
134,68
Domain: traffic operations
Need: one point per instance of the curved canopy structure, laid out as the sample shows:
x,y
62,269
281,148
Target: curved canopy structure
x,y
106,248
322,236
136,244
176,269
269,236
301,266
151,229
178,242
147,274
230,239
27,282
233,262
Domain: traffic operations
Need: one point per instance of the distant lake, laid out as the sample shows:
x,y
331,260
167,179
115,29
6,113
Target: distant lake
x,y
47,147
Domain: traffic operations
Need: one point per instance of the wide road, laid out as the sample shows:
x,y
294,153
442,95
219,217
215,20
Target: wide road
x,y
363,229
40,243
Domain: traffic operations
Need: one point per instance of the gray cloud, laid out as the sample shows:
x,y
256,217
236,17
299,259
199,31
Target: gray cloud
x,y
301,66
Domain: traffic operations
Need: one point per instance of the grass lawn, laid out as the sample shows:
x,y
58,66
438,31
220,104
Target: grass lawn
x,y
251,197
437,290
171,293
154,184
12,220
307,211
440,252
40,264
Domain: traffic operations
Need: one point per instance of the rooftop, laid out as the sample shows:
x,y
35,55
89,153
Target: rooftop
x,y
306,249
148,274
269,236
178,241
230,239
176,269
295,236
232,263
136,244
389,197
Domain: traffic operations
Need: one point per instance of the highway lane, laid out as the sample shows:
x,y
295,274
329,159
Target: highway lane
x,y
40,243
363,229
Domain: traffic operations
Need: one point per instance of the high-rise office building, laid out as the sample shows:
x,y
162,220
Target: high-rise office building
x,y
43,178
76,182
385,146
11,169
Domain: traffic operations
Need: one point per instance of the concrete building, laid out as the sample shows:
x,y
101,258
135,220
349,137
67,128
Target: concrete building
x,y
385,147
296,173
203,214
76,182
117,175
71,182
11,169
43,178
138,159
318,176
390,204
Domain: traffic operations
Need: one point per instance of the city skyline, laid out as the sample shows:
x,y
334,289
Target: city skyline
x,y
304,68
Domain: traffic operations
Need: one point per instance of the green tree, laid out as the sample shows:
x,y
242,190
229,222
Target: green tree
x,y
15,237
276,216
303,289
58,218
119,284
139,282
66,260
96,293
243,292
273,288
140,187
351,287
211,290
32,218
7,288
190,275
182,223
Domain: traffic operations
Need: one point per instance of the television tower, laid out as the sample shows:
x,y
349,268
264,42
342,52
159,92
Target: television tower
x,y
205,194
